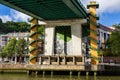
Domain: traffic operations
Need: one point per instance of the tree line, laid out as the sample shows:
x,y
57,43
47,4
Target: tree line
x,y
11,26
14,48
112,46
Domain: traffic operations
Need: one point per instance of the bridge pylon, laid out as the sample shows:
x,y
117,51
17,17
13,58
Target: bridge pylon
x,y
33,45
92,6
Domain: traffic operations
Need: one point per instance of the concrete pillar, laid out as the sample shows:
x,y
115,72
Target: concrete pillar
x,y
51,73
28,73
95,73
43,73
40,60
78,73
100,38
58,60
36,73
83,59
87,73
64,60
70,73
76,31
49,59
49,40
92,6
74,61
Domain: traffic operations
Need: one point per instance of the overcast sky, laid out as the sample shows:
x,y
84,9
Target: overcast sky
x,y
109,12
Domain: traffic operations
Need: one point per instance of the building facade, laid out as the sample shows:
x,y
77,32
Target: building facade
x,y
4,38
103,35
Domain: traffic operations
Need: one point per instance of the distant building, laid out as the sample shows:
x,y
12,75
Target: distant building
x,y
103,34
4,38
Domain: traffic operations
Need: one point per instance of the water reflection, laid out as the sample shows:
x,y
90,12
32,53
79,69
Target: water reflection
x,y
55,77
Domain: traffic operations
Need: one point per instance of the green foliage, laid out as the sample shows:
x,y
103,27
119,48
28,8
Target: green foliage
x,y
117,26
20,47
11,26
9,49
41,30
14,47
2,54
1,21
113,45
17,26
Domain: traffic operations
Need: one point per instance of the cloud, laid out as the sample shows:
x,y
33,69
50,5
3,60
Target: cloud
x,y
18,16
5,18
109,6
15,16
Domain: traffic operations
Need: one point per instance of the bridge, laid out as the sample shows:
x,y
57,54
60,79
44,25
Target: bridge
x,y
64,20
49,9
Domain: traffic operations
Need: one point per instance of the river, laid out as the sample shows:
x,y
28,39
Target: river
x,y
55,77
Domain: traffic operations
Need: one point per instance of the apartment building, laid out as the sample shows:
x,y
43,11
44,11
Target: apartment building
x,y
4,38
103,34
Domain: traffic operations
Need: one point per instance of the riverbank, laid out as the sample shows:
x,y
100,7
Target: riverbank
x,y
55,77
78,70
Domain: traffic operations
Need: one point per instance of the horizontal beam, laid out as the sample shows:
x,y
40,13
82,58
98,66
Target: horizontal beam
x,y
64,22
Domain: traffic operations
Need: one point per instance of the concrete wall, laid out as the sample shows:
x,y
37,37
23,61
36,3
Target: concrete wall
x,y
74,45
49,40
76,39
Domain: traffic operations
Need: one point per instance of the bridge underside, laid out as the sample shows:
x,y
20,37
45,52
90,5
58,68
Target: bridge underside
x,y
49,9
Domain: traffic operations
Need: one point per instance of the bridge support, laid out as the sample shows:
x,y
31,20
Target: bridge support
x,y
33,45
43,73
75,41
78,74
76,31
93,32
87,73
49,40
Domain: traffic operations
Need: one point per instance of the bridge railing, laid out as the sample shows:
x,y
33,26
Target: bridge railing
x,y
62,60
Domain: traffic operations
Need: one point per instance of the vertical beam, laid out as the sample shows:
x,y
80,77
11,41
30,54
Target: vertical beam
x,y
49,40
40,60
83,59
33,46
49,59
43,73
76,30
64,60
93,32
51,74
70,74
78,74
74,61
87,73
58,60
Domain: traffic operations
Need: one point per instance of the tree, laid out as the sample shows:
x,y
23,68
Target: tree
x,y
2,54
1,21
113,45
41,31
11,26
20,48
117,26
9,49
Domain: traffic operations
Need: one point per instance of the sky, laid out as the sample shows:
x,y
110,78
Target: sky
x,y
109,12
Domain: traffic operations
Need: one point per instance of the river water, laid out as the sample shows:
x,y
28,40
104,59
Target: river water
x,y
55,77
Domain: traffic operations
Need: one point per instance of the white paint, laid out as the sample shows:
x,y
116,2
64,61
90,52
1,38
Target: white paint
x,y
76,30
49,40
